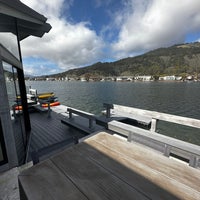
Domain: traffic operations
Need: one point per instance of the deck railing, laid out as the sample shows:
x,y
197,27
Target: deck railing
x,y
155,116
89,116
167,145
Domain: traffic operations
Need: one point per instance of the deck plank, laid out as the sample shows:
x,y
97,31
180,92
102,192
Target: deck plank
x,y
106,167
47,183
49,130
171,168
135,174
151,182
92,179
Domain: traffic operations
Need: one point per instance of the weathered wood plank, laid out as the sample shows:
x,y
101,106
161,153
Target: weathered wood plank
x,y
106,167
128,129
148,181
93,180
142,119
184,174
45,181
181,148
160,116
139,176
184,149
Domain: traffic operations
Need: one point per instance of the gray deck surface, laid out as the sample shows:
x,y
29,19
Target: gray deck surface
x,y
105,167
47,131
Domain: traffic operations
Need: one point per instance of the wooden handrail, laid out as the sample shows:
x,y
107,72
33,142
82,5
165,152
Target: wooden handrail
x,y
195,123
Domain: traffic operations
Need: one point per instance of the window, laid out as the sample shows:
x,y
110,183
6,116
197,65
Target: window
x,y
9,41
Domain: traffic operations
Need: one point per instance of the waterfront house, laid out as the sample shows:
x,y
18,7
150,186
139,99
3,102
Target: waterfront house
x,y
123,79
17,22
143,78
167,78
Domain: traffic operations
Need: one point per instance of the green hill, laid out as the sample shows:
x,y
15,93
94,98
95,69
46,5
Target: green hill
x,y
179,59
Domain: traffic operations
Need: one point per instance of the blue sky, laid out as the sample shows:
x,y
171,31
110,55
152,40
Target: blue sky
x,y
89,31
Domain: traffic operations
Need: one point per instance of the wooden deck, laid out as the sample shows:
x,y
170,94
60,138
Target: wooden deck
x,y
106,167
47,131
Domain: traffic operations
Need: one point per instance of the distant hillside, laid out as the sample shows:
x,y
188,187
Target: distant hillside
x,y
179,59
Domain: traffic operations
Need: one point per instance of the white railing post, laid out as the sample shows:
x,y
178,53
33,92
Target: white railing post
x,y
153,125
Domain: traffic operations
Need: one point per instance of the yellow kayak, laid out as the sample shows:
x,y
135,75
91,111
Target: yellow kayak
x,y
45,95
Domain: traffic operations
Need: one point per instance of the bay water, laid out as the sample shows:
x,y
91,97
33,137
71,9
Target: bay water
x,y
178,98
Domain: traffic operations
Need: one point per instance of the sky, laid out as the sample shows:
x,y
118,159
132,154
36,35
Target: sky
x,y
88,31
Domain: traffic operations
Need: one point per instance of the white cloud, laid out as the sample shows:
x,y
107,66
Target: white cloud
x,y
69,45
149,24
31,69
138,26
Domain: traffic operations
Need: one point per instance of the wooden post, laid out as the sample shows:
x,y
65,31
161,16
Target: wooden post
x,y
90,123
108,107
153,125
193,161
167,150
129,139
70,114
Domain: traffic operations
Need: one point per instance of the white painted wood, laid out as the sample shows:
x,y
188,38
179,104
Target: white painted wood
x,y
139,118
153,125
160,116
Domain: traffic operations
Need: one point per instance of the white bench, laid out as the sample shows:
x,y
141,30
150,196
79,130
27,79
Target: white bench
x,y
166,144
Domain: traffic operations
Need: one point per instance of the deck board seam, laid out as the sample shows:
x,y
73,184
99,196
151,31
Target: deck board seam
x,y
68,177
155,171
114,174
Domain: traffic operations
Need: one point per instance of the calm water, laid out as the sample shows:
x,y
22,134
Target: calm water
x,y
173,98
